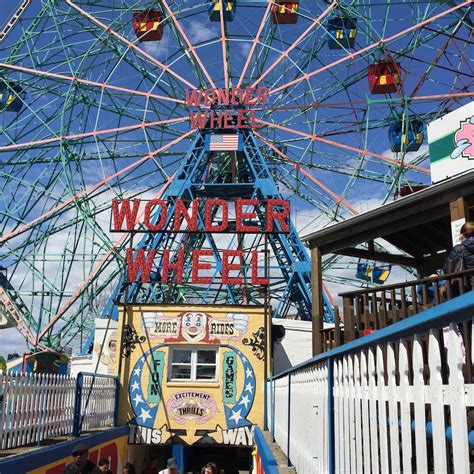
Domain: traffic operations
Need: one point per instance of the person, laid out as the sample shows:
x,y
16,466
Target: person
x,y
209,468
430,296
152,467
81,465
129,468
104,466
171,467
462,252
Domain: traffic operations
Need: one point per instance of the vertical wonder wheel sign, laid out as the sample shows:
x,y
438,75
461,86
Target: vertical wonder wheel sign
x,y
192,374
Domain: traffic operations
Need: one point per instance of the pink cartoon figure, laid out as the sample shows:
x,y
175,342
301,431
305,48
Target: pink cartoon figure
x,y
464,140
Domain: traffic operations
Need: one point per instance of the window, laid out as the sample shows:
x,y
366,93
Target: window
x,y
193,364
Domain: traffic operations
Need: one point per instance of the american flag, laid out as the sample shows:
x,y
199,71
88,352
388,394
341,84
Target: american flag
x,y
224,142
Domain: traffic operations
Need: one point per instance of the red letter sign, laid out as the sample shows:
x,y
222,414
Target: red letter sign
x,y
200,266
228,267
139,265
121,210
256,280
181,212
208,227
177,267
163,214
280,216
240,215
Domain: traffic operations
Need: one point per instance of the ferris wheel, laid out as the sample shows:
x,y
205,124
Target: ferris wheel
x,y
93,107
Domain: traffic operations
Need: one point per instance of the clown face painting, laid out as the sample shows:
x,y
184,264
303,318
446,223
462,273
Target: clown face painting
x,y
194,326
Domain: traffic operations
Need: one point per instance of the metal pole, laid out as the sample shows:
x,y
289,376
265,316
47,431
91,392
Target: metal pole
x,y
288,432
268,335
124,319
272,413
317,310
76,427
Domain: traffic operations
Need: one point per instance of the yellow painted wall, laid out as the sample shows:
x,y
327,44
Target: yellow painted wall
x,y
192,412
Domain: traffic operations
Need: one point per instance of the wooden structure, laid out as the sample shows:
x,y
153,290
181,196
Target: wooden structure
x,y
371,309
420,225
191,374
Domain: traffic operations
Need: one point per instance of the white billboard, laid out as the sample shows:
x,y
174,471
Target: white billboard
x,y
451,143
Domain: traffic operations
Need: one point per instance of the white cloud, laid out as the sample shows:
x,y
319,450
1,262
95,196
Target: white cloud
x,y
156,48
200,31
410,156
245,49
12,341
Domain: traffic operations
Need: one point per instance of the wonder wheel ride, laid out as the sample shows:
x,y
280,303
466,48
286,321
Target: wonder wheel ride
x,y
93,107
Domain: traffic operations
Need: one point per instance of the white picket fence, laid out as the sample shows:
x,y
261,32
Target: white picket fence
x,y
401,405
306,414
34,407
97,410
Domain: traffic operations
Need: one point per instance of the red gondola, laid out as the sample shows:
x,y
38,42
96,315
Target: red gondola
x,y
285,13
384,77
148,25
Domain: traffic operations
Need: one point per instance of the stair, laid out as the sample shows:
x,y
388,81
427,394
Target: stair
x,y
280,457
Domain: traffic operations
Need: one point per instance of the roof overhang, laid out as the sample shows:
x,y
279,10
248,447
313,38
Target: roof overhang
x,y
418,224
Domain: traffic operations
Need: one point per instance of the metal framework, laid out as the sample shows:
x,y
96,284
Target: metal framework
x,y
207,174
103,115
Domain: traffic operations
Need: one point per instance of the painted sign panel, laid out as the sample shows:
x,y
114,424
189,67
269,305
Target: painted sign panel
x,y
191,405
58,457
229,362
451,143
192,373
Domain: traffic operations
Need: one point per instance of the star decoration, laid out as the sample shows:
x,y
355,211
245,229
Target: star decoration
x,y
248,372
249,388
135,386
138,399
137,371
144,415
245,401
236,416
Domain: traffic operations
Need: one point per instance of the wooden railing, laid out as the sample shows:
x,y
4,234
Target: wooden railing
x,y
370,309
375,308
333,336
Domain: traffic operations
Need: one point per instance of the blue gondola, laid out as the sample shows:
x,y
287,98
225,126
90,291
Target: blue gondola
x,y
342,32
372,273
406,136
11,97
215,9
